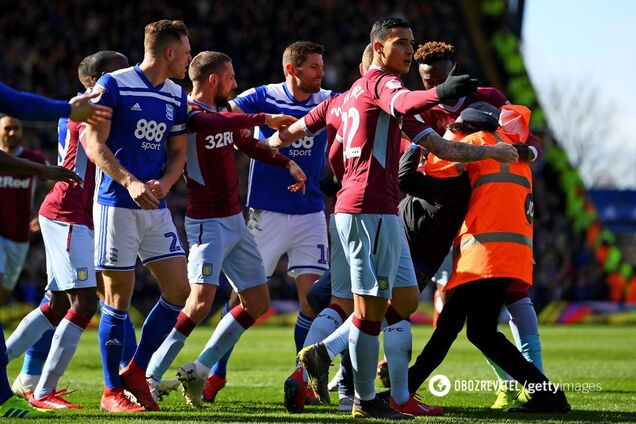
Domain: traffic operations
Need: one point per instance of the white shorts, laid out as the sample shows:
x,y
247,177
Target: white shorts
x,y
377,253
69,255
223,244
12,256
123,234
302,237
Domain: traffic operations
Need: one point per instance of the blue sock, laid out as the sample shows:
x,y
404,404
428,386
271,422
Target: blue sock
x,y
303,323
36,355
345,387
111,344
220,368
5,388
130,342
364,347
525,318
397,349
159,323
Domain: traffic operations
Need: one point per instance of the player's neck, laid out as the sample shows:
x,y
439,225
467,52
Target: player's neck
x,y
384,67
154,71
204,96
296,91
7,149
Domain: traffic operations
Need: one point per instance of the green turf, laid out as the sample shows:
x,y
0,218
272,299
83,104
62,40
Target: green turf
x,y
263,359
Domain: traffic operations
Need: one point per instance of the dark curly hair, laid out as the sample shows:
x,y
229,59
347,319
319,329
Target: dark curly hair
x,y
434,51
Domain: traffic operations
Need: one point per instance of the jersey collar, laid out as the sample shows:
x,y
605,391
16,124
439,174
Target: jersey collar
x,y
145,80
204,105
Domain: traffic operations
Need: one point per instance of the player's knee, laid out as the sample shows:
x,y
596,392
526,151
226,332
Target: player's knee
x,y
178,296
86,304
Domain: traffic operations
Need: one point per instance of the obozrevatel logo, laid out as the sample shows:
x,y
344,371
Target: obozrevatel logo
x,y
439,385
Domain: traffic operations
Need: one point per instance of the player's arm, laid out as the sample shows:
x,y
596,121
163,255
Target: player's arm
x,y
32,107
10,163
308,125
176,147
103,157
250,146
420,133
231,121
462,152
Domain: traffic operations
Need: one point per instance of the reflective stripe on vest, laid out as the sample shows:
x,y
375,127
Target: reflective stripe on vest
x,y
496,237
504,175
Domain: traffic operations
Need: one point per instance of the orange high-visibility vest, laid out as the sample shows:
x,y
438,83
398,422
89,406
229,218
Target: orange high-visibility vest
x,y
495,240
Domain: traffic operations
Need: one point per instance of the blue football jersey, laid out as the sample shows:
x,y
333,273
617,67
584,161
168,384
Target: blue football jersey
x,y
62,133
268,184
143,118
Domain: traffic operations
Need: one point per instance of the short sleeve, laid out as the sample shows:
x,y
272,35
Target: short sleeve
x,y
388,89
179,125
249,100
109,92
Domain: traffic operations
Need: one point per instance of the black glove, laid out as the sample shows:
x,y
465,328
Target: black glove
x,y
456,86
329,185
525,154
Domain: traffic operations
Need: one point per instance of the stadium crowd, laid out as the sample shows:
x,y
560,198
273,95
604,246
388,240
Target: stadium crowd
x,y
42,53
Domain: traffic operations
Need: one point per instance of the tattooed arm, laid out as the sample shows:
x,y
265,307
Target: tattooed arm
x,y
462,152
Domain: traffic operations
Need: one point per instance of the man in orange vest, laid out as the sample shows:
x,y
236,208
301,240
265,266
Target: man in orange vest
x,y
493,254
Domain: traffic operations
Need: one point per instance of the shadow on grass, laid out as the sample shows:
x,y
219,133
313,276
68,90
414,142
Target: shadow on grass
x,y
482,414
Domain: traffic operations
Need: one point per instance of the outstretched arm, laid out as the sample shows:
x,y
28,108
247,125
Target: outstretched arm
x,y
10,163
462,152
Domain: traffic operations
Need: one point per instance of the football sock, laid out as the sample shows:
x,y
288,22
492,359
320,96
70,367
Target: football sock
x,y
525,318
29,331
36,355
303,323
338,341
170,348
5,388
327,321
130,342
63,347
397,349
364,348
220,367
159,323
111,344
226,334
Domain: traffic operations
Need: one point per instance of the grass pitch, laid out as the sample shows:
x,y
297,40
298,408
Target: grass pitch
x,y
582,356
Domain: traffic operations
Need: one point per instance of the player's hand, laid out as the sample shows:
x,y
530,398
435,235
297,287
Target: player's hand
x,y
82,110
524,151
456,86
503,152
142,195
275,121
262,144
59,173
34,225
298,174
157,188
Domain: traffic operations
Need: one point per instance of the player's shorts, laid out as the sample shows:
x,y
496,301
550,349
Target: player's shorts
x,y
223,244
340,274
69,255
377,252
12,256
302,237
123,234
